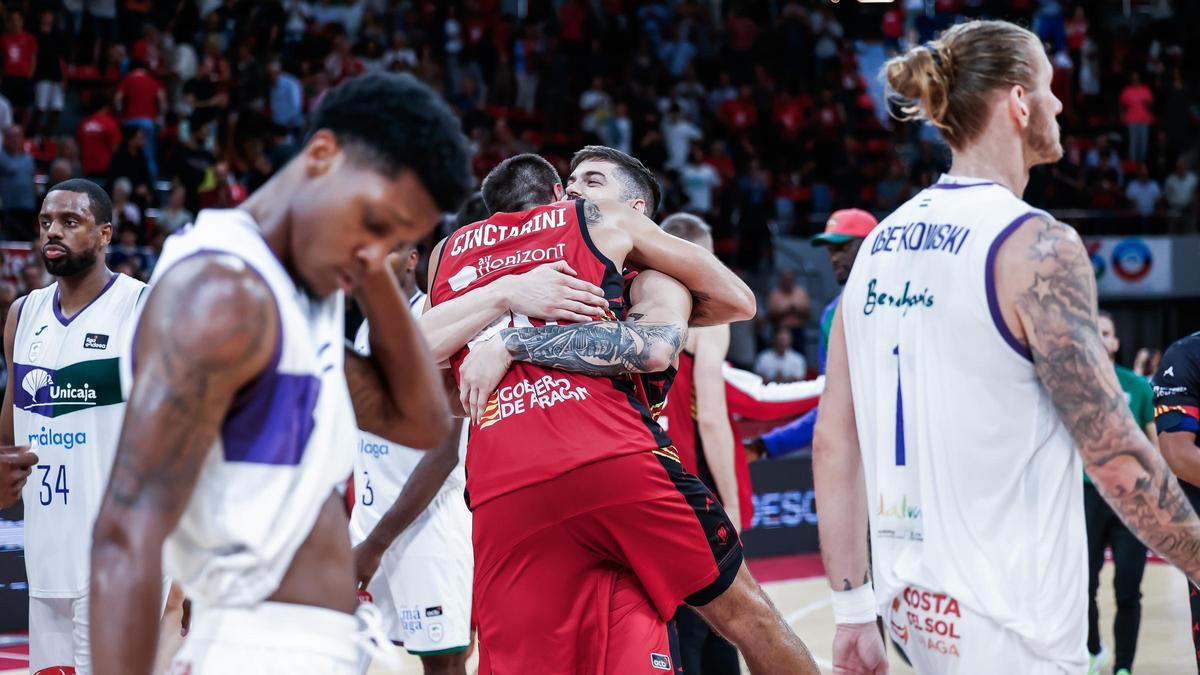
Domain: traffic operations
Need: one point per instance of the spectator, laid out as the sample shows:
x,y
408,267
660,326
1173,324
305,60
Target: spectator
x,y
678,135
17,191
6,113
781,363
788,306
617,132
222,191
1077,29
125,211
50,74
1104,157
175,215
125,250
142,101
60,170
699,179
1136,103
287,97
20,58
132,161
1179,191
594,106
99,137
1143,192
400,56
34,276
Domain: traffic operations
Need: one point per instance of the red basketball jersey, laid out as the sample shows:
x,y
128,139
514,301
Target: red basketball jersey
x,y
540,422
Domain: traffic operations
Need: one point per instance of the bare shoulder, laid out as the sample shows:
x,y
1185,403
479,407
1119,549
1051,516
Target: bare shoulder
x,y
216,308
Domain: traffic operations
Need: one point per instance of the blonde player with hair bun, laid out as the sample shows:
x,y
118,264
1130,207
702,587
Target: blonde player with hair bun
x,y
966,381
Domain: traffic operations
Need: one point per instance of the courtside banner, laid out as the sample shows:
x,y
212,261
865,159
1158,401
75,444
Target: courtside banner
x,y
785,511
1131,266
14,591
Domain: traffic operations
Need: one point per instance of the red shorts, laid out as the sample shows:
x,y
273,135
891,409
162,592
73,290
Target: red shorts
x,y
580,574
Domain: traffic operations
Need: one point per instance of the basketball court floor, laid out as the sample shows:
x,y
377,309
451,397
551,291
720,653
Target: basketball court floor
x,y
1164,643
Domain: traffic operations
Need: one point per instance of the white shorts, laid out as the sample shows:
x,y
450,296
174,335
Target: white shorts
x,y
941,637
423,586
58,635
48,95
272,637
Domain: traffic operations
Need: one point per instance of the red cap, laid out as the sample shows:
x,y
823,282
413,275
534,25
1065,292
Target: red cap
x,y
844,225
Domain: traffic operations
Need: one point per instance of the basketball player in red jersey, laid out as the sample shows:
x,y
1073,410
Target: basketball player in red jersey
x,y
571,497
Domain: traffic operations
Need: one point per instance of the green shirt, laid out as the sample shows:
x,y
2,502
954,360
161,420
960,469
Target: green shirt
x,y
1139,395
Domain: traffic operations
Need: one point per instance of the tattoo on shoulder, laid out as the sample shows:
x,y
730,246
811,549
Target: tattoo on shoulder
x,y
1071,363
591,213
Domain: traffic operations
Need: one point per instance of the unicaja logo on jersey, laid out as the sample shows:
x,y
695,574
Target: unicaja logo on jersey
x,y
50,393
37,380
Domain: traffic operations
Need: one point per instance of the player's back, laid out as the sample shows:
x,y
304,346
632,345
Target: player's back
x,y
68,403
541,423
281,451
972,480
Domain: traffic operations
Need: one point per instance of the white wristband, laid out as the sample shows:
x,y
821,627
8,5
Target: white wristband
x,y
854,606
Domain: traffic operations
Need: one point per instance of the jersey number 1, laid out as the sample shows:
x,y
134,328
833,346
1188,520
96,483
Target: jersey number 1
x,y
899,412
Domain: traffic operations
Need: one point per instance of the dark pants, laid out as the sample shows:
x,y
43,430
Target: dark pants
x,y
701,650
1105,529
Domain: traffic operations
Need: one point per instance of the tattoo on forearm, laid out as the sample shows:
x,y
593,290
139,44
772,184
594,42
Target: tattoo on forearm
x,y
595,348
1060,306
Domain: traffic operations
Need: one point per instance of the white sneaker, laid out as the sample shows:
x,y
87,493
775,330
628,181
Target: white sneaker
x,y
1096,662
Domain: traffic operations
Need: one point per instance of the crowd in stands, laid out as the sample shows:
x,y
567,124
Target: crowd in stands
x,y
761,116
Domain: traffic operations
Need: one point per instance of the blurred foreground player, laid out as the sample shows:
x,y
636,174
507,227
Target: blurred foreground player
x,y
243,396
1177,418
966,378
1105,529
547,497
64,346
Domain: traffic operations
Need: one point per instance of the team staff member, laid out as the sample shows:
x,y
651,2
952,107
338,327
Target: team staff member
x,y
843,235
1177,418
1104,528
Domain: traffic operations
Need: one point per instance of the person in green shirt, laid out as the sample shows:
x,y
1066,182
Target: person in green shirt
x,y
1105,529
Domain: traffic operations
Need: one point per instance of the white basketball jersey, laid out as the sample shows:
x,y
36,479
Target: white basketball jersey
x,y
972,479
381,467
282,448
68,404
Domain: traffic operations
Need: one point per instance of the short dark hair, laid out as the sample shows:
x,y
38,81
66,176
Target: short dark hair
x,y
1105,314
686,226
637,182
99,203
395,122
473,210
520,183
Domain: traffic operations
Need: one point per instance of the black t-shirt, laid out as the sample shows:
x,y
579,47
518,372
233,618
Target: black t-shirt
x,y
1177,395
51,50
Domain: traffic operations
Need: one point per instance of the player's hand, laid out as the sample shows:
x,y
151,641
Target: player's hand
x,y
553,292
15,464
367,556
858,649
480,374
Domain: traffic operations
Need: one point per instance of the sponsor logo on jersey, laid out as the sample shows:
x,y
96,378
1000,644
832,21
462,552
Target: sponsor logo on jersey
x,y
545,392
35,351
436,632
490,234
903,301
49,438
373,449
39,331
53,392
488,264
433,611
1169,372
410,619
1169,391
95,341
660,661
932,617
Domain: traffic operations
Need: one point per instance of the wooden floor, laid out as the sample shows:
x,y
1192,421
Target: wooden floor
x,y
1164,642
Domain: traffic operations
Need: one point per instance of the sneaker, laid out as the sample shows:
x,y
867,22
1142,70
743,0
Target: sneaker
x,y
1096,662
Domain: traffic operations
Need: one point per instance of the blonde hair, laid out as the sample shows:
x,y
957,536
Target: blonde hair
x,y
948,81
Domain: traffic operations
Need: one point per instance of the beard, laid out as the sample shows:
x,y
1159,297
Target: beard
x,y
70,264
1042,140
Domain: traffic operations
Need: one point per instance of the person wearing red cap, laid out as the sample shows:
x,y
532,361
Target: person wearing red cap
x,y
844,233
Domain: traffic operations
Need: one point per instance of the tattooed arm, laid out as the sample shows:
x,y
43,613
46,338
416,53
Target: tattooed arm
x,y
718,294
209,328
841,492
1048,295
647,343
397,390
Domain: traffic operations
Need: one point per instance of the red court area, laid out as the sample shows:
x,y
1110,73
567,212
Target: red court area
x,y
15,656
